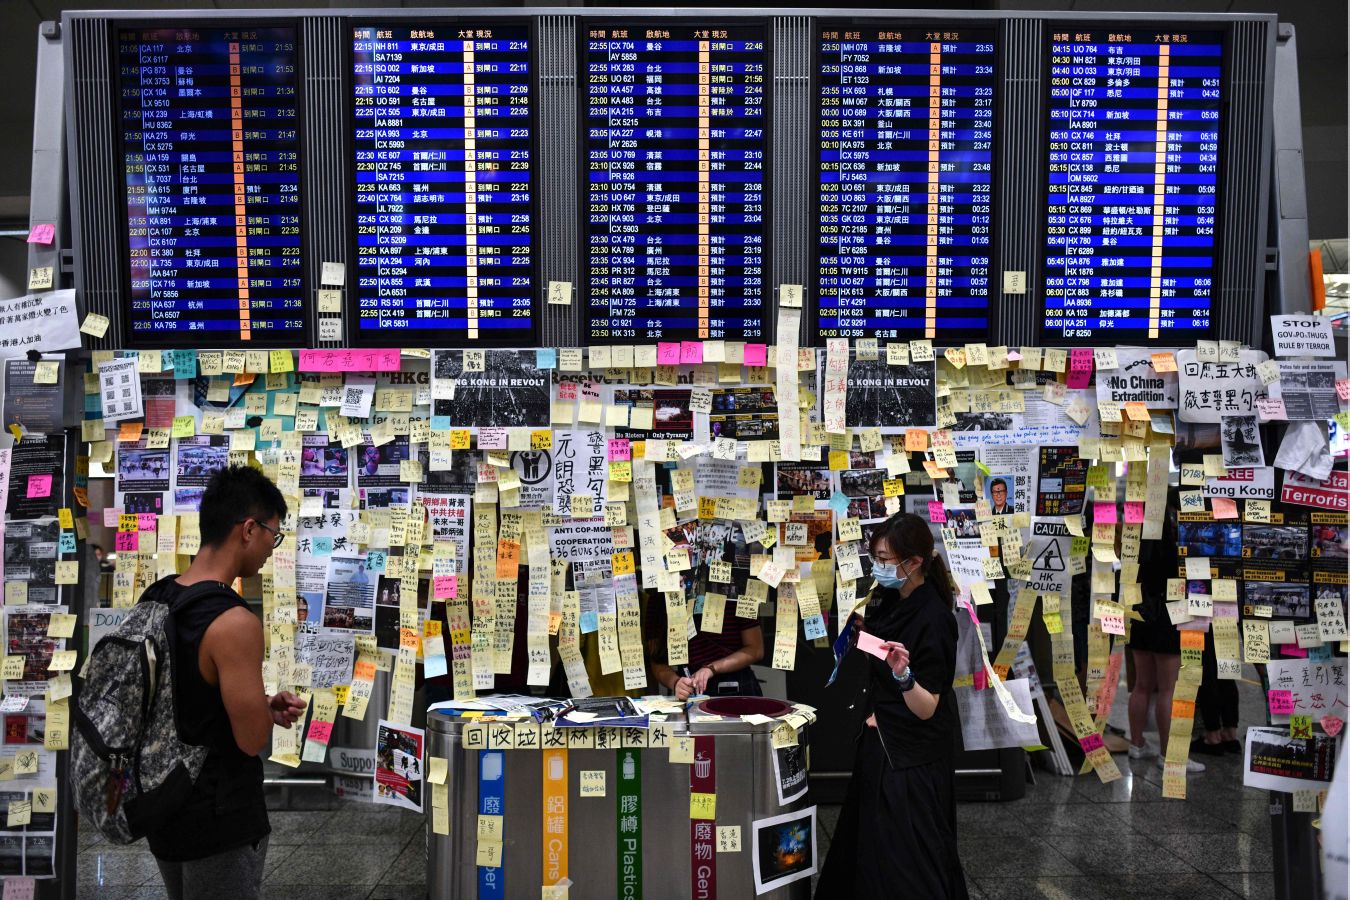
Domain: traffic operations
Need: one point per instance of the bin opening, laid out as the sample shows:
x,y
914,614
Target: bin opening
x,y
744,706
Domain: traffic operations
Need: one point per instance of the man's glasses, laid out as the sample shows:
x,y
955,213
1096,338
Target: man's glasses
x,y
277,535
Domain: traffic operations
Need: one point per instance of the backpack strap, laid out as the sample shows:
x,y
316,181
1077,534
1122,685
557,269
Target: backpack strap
x,y
197,591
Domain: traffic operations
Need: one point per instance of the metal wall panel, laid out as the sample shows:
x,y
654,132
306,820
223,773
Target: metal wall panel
x,y
1239,302
557,231
1019,183
96,202
792,181
327,177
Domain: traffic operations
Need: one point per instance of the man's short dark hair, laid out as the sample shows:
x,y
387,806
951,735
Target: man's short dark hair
x,y
998,482
236,493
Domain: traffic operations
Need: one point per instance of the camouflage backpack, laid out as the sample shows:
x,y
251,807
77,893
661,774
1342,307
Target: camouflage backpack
x,y
130,768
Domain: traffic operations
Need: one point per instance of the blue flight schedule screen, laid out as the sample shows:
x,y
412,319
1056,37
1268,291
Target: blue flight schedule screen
x,y
1133,184
442,117
675,148
210,147
905,144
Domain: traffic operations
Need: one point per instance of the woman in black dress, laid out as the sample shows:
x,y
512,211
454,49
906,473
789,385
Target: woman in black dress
x,y
896,835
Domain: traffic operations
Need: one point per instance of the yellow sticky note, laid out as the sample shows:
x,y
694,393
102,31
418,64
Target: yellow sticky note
x,y
11,669
95,325
437,769
681,748
592,782
184,426
728,839
702,806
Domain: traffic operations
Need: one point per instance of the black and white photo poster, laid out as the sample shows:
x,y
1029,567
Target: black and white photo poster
x,y
890,396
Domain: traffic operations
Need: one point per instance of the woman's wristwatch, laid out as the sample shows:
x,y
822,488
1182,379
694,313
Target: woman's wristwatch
x,y
905,681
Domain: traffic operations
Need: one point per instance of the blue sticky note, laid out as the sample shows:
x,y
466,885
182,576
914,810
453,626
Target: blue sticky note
x,y
66,543
440,423
375,560
433,666
839,502
814,627
698,604
590,622
1319,654
184,364
546,358
323,545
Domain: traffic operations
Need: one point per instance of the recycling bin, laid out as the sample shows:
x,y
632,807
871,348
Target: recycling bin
x,y
618,819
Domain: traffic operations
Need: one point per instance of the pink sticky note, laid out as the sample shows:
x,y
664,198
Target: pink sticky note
x,y
1292,650
1104,513
691,353
1091,742
492,439
127,541
870,643
1332,725
756,354
1080,368
42,234
937,513
1281,702
349,360
445,587
320,731
667,353
19,888
1224,508
39,485
980,679
110,516
147,522
620,450
1343,391
1271,409
568,390
1134,512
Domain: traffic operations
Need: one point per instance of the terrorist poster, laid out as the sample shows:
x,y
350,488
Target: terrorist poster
x,y
890,396
789,772
1061,482
783,849
36,408
349,600
509,391
1276,761
35,466
398,766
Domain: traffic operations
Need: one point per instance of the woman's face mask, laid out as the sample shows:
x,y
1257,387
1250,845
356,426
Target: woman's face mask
x,y
888,576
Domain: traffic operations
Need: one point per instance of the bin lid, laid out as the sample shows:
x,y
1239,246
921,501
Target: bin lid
x,y
722,715
745,706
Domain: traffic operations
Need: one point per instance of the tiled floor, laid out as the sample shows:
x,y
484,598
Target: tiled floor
x,y
1068,839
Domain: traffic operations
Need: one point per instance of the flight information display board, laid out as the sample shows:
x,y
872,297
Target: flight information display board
x,y
905,148
1133,184
675,131
444,210
210,147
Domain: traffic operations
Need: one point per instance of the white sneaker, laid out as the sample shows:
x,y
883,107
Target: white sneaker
x,y
1144,752
1193,767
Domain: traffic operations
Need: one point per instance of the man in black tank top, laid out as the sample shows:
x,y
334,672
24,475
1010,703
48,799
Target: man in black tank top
x,y
216,844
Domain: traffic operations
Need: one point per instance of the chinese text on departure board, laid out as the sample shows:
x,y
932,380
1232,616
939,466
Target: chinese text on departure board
x,y
1133,179
675,149
211,154
442,118
906,158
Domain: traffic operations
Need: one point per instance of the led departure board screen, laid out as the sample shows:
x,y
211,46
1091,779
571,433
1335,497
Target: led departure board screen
x,y
905,148
443,186
1133,183
211,150
676,139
